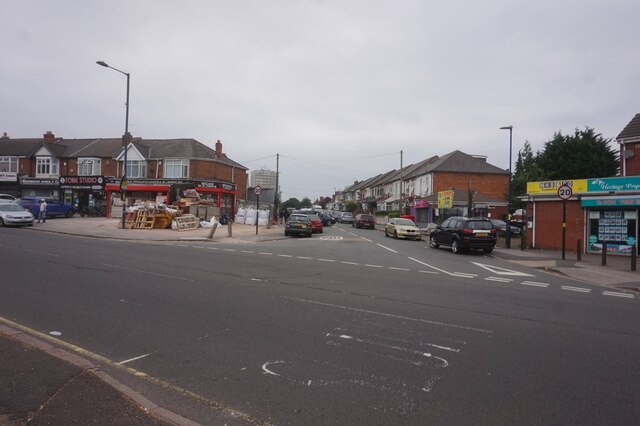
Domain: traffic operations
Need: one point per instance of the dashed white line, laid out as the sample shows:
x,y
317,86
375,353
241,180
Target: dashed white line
x,y
265,253
616,294
285,255
374,266
393,268
198,247
247,251
303,257
386,248
535,284
140,271
349,263
432,267
429,272
326,260
498,279
232,250
576,289
213,248
366,239
463,275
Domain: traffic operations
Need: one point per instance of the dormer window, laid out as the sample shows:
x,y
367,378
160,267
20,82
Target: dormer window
x,y
89,167
46,166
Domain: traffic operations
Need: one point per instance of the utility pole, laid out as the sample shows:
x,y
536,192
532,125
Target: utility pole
x,y
401,187
276,198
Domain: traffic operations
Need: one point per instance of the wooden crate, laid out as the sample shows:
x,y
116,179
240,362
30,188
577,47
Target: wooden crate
x,y
186,222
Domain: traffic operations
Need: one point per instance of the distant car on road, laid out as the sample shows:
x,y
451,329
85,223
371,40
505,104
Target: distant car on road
x,y
501,227
346,217
12,214
402,228
314,218
364,221
461,233
7,198
54,207
298,224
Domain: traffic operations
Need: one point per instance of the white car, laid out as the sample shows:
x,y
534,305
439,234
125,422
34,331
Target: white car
x,y
14,214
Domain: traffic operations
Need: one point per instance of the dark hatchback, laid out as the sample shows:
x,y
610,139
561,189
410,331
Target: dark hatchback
x,y
461,233
298,224
364,221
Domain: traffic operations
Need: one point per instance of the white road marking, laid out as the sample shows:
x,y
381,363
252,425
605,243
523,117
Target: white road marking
x,y
432,267
247,251
229,249
199,247
386,248
213,248
326,260
498,279
256,279
535,284
351,233
285,255
133,359
303,257
429,272
616,294
183,245
384,314
374,266
366,239
349,263
463,275
265,253
140,271
398,269
577,289
501,271
331,237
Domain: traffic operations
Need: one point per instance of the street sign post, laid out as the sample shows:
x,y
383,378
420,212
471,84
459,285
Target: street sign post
x,y
564,192
257,190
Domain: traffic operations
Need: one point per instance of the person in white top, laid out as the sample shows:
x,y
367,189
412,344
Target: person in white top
x,y
42,217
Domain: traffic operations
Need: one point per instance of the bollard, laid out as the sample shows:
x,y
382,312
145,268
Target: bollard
x,y
229,232
604,254
213,230
579,250
634,255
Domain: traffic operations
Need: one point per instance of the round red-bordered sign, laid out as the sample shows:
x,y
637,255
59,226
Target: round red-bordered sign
x,y
565,192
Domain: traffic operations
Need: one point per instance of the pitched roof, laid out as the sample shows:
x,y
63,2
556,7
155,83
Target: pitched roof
x,y
631,130
459,162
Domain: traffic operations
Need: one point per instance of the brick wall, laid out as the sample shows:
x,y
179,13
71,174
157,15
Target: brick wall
x,y
489,185
632,165
548,225
219,171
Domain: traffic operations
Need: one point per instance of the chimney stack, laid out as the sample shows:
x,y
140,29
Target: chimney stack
x,y
49,137
5,136
218,149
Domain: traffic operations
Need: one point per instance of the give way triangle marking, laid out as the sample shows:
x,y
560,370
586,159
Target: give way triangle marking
x,y
502,271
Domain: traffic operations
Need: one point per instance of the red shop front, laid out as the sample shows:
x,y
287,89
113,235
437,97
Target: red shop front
x,y
135,193
221,195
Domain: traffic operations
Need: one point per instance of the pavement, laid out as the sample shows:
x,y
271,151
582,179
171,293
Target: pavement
x,y
43,384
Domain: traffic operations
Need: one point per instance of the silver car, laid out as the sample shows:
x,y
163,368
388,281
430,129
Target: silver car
x,y
14,214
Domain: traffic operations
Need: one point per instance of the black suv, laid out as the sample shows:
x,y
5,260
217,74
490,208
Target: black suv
x,y
464,233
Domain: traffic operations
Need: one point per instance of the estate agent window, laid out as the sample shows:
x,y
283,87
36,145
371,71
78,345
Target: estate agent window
x,y
617,228
176,168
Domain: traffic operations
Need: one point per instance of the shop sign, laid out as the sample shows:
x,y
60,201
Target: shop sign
x,y
420,204
611,202
631,183
445,199
550,187
31,181
95,183
8,177
222,185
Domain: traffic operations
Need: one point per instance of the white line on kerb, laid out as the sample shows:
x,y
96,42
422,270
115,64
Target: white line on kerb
x,y
386,248
577,289
613,293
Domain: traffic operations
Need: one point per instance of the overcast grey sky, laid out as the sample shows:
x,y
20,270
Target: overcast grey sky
x,y
336,87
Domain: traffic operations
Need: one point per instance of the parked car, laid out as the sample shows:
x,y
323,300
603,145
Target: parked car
x,y
7,198
462,233
501,227
314,218
54,207
402,228
14,214
364,221
327,219
346,217
298,224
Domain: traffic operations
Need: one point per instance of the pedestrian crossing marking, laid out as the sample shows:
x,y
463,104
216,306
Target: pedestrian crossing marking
x,y
502,271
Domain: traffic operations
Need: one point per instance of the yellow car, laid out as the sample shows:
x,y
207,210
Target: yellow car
x,y
402,228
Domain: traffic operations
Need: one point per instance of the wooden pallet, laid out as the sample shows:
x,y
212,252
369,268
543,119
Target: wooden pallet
x,y
186,222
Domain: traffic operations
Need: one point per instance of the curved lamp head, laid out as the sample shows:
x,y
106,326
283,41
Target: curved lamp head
x,y
501,128
102,63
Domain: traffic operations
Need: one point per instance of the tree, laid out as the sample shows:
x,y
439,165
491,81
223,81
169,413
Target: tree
x,y
323,201
585,154
350,206
305,202
291,203
526,170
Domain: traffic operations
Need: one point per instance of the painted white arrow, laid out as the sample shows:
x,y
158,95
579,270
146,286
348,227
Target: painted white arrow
x,y
502,271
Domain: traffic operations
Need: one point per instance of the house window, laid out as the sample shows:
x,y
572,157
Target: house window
x,y
176,168
46,166
136,169
9,164
89,167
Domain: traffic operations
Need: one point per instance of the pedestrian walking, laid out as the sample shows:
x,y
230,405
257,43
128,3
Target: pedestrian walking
x,y
42,216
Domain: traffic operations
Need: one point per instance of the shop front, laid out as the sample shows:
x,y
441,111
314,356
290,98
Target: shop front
x,y
39,187
220,194
84,192
612,220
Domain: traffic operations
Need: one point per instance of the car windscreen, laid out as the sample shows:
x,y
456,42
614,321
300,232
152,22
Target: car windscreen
x,y
11,208
479,224
405,222
299,218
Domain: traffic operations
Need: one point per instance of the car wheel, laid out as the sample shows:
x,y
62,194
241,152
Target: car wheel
x,y
432,242
1,222
386,234
488,250
69,213
395,234
455,246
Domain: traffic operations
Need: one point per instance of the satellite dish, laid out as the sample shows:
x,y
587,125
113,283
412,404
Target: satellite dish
x,y
628,154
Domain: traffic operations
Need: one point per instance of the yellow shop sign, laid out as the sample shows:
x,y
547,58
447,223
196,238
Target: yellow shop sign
x,y
550,187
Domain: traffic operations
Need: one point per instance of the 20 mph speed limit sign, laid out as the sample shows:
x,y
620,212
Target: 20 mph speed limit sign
x,y
565,192
257,190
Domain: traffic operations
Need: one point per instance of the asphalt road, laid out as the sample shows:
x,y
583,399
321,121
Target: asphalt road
x,y
348,327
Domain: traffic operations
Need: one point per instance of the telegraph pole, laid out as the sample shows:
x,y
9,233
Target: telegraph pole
x,y
401,187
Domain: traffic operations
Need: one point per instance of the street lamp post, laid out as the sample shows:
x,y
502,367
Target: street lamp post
x,y
508,231
125,143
